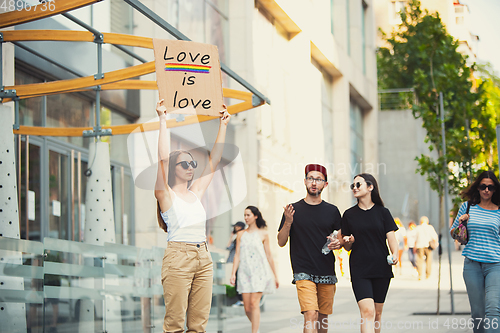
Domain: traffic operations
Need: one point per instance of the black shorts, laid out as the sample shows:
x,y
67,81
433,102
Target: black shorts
x,y
375,288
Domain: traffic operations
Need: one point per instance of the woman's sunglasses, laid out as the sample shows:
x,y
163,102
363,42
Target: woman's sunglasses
x,y
490,188
185,164
358,185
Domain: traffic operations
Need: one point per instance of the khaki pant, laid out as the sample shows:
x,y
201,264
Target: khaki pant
x,y
421,252
187,277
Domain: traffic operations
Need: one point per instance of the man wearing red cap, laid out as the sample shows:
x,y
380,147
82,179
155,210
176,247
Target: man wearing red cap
x,y
307,223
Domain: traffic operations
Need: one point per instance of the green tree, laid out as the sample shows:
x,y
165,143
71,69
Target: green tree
x,y
490,84
422,55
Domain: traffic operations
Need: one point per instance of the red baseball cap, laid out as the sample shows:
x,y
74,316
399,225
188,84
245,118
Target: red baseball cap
x,y
316,167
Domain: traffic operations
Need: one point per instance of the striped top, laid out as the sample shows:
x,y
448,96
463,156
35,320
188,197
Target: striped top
x,y
484,233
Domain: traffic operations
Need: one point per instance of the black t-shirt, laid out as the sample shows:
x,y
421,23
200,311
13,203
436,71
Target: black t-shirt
x,y
311,225
369,253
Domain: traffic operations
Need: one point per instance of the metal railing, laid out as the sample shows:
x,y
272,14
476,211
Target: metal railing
x,y
67,285
396,99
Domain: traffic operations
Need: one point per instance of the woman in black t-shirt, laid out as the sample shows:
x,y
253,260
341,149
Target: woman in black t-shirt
x,y
365,229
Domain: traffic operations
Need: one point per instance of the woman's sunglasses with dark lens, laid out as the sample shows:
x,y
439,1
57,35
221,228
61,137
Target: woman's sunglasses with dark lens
x,y
185,164
490,188
358,185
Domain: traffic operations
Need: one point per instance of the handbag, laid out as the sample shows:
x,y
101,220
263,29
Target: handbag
x,y
460,233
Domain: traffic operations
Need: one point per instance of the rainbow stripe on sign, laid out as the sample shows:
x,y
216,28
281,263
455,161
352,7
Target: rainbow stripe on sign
x,y
171,67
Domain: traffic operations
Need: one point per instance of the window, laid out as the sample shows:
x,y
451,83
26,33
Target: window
x,y
348,15
205,21
121,22
396,8
326,81
327,116
121,17
459,20
30,109
69,110
51,170
363,34
357,137
331,17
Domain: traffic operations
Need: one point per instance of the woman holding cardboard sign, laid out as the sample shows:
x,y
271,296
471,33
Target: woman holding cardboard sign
x,y
186,273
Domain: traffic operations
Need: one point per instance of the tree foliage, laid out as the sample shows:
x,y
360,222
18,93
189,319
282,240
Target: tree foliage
x,y
490,85
422,55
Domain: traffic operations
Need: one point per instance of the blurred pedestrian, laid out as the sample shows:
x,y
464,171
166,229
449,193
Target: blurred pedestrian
x,y
482,252
308,223
425,234
367,228
231,246
402,241
255,266
411,237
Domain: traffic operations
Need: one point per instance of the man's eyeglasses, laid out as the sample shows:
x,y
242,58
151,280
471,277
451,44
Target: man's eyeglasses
x,y
317,180
490,188
358,185
185,164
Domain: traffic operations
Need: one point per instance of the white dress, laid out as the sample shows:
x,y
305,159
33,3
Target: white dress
x,y
254,273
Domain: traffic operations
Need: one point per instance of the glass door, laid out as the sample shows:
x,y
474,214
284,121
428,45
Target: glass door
x,y
123,198
59,195
78,188
52,188
30,188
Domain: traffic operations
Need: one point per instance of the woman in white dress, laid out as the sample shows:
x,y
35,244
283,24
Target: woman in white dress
x,y
255,265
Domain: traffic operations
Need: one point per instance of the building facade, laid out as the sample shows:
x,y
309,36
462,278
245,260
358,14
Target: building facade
x,y
314,60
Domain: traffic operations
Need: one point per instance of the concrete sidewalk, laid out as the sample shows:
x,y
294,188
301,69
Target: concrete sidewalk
x,y
407,296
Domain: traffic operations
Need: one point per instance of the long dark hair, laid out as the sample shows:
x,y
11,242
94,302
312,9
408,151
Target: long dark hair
x,y
172,163
472,192
375,194
261,223
161,223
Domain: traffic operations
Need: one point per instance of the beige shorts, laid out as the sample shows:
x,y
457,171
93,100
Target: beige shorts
x,y
315,296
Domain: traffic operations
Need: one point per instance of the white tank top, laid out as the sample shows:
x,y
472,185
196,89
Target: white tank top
x,y
186,222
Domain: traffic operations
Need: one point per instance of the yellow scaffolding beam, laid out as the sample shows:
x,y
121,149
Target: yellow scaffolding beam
x,y
40,11
118,79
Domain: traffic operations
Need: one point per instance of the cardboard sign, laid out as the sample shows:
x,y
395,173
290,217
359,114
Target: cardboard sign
x,y
188,77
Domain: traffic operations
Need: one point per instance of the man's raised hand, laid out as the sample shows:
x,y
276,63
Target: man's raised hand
x,y
289,211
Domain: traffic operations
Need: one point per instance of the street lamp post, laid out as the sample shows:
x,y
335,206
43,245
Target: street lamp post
x,y
446,208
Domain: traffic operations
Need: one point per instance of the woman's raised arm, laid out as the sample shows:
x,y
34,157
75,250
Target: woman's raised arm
x,y
200,185
162,190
